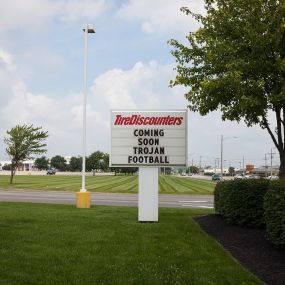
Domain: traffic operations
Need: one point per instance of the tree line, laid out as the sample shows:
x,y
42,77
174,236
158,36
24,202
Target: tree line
x,y
98,160
25,141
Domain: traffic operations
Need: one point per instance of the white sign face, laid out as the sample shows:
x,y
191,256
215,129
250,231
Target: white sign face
x,y
148,138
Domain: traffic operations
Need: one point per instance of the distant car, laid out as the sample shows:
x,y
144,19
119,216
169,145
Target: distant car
x,y
238,177
216,177
273,177
252,176
183,174
248,176
50,172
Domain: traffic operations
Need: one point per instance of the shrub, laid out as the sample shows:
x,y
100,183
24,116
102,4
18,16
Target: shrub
x,y
220,196
241,201
274,213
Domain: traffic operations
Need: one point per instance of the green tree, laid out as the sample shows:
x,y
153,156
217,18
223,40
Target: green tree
x,y
105,162
232,171
97,160
75,164
58,162
235,63
22,143
7,167
194,169
42,163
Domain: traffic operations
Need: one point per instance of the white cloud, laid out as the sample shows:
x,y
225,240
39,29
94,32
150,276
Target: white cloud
x,y
28,14
74,10
40,60
143,86
8,75
161,16
34,14
6,59
62,117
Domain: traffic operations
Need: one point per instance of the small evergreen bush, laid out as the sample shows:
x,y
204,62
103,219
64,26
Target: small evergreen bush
x,y
241,201
220,196
274,212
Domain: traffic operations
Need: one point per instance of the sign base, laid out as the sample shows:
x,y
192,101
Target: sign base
x,y
148,194
83,200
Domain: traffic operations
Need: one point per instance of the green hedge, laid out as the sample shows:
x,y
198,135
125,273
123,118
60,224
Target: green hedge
x,y
274,212
241,201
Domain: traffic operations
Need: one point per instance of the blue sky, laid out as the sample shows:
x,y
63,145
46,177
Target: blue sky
x,y
129,66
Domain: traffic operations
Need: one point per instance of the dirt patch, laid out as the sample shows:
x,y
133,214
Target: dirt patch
x,y
249,246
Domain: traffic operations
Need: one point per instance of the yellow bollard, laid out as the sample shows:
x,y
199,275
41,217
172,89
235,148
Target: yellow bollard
x,y
83,200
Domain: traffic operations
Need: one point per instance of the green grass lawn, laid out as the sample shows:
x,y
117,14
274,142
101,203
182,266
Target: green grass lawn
x,y
112,184
52,244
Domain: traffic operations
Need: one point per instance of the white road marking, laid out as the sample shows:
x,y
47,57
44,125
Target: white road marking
x,y
200,206
193,201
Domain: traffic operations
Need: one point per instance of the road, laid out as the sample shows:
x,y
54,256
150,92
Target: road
x,y
112,199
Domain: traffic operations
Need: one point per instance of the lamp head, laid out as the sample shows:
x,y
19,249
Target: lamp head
x,y
90,29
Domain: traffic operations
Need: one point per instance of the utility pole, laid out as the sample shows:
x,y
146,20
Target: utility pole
x,y
243,165
271,158
265,166
222,141
200,164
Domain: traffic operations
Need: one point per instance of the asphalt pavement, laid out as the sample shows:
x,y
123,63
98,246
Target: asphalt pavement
x,y
111,199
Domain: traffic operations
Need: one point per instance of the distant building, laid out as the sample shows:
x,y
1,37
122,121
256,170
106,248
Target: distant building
x,y
209,171
266,171
27,165
67,159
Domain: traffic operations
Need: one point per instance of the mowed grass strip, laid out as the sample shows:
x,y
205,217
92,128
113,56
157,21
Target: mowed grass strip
x,y
108,184
174,184
52,244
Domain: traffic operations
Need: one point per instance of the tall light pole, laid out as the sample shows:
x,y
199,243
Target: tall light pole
x,y
83,201
222,146
87,30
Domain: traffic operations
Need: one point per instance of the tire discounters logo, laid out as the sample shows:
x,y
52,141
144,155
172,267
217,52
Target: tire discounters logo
x,y
145,120
148,138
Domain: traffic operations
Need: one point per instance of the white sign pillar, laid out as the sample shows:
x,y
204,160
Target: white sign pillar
x,y
148,194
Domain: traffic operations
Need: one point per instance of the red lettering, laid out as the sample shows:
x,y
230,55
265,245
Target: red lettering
x,y
141,120
118,117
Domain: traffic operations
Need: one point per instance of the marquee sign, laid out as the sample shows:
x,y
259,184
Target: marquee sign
x,y
148,138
